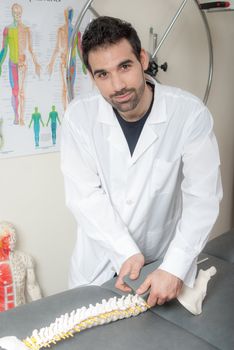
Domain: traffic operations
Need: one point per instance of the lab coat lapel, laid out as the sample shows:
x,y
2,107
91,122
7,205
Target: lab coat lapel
x,y
147,138
149,133
115,135
117,139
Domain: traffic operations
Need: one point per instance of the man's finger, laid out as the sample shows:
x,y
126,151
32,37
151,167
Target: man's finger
x,y
144,287
154,299
160,301
134,274
120,284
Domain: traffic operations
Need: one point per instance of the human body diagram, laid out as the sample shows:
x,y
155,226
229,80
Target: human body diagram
x,y
36,120
28,46
53,119
17,40
63,38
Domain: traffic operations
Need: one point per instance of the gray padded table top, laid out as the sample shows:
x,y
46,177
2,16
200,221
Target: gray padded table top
x,y
222,246
147,331
216,323
166,327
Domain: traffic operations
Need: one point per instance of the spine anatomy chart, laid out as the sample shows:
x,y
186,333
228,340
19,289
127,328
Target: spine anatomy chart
x,y
33,58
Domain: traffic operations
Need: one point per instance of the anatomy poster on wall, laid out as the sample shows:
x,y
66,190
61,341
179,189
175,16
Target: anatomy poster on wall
x,y
34,37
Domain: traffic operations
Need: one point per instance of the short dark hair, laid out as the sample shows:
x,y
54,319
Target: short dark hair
x,y
104,31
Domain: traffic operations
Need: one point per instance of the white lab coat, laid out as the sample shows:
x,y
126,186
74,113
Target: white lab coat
x,y
161,201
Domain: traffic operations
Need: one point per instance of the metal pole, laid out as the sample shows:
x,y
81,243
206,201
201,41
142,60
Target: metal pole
x,y
211,54
94,11
169,27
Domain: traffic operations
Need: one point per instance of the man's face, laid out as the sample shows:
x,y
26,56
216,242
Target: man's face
x,y
17,12
119,75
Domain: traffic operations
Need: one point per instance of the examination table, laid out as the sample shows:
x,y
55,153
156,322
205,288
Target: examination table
x,y
165,327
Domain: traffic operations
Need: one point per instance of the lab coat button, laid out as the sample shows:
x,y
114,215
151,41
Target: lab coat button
x,y
129,201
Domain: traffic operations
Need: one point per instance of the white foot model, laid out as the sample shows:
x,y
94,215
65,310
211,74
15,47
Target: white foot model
x,y
192,298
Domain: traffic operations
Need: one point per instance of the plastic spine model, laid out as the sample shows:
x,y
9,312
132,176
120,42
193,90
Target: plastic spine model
x,y
67,325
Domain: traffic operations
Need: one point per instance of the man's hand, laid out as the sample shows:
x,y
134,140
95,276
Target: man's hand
x,y
132,267
164,287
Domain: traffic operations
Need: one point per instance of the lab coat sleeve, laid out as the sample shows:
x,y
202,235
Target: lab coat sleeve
x,y
87,199
201,193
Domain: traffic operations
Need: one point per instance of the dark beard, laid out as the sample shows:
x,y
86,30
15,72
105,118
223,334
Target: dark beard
x,y
131,104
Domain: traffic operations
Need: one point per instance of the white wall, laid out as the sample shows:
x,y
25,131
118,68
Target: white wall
x,y
31,188
32,199
221,103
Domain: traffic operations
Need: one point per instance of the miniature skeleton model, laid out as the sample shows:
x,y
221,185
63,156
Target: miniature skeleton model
x,y
17,278
78,320
66,325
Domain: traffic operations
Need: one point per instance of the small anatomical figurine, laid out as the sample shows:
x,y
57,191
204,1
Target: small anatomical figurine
x,y
18,283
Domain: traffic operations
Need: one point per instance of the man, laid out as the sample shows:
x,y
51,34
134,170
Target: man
x,y
141,170
17,37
